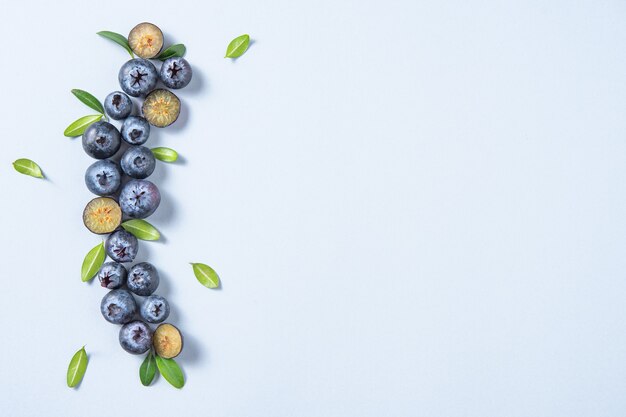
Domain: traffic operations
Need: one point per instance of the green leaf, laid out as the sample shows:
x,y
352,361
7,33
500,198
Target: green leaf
x,y
88,99
141,229
174,50
78,127
206,275
147,370
237,46
165,154
170,371
118,39
27,167
92,262
76,369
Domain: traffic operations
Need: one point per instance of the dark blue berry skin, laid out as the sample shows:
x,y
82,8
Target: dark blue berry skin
x,y
101,140
138,162
112,275
139,199
118,307
103,177
175,72
118,105
135,130
155,309
121,246
143,279
138,77
136,337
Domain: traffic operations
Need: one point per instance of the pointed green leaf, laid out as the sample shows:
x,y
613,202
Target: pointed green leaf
x,y
147,370
174,50
165,154
141,229
237,46
206,275
27,167
78,127
88,99
76,369
118,39
92,262
170,371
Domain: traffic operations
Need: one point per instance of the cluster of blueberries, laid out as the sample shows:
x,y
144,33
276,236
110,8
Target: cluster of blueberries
x,y
137,198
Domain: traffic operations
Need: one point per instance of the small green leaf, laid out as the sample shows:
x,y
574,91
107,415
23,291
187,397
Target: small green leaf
x,y
170,371
118,39
206,275
78,127
141,229
174,50
165,154
89,100
147,370
92,262
27,167
76,369
237,46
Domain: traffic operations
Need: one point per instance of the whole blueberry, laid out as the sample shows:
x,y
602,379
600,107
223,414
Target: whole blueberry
x,y
135,130
136,337
138,77
121,246
118,105
118,306
112,275
143,278
155,309
101,140
139,198
175,72
103,177
138,162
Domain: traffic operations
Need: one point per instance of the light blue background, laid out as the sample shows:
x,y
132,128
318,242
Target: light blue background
x,y
416,208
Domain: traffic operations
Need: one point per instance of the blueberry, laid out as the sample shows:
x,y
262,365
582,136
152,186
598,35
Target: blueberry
x,y
138,162
102,215
118,306
136,337
112,275
138,77
155,309
135,130
101,140
139,198
143,278
175,72
118,105
161,107
167,341
121,246
145,40
103,177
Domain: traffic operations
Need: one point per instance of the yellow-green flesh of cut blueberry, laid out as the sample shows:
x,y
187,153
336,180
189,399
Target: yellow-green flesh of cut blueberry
x,y
146,40
167,341
161,108
102,215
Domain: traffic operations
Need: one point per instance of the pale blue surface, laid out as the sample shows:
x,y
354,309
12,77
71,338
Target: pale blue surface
x,y
416,209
